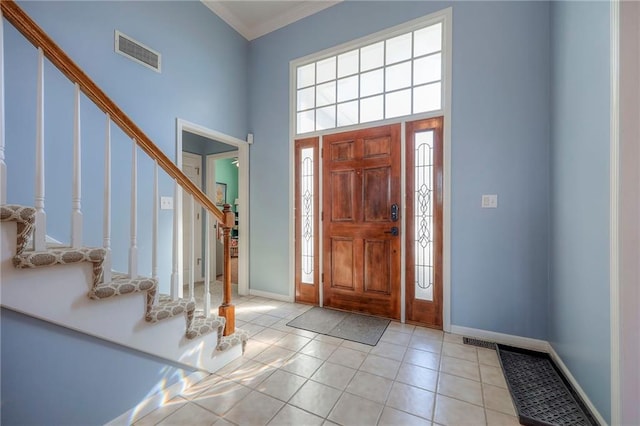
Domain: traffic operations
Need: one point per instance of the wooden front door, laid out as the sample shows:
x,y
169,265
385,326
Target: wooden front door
x,y
424,221
361,241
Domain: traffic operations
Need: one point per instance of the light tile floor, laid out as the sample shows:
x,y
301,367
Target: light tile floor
x,y
287,376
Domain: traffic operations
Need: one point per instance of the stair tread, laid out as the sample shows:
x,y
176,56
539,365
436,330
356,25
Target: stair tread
x,y
166,307
201,326
122,284
58,256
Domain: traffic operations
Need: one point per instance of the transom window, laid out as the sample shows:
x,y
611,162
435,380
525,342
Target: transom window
x,y
399,76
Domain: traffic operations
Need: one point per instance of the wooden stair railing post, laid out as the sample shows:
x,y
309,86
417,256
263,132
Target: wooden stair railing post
x,y
227,310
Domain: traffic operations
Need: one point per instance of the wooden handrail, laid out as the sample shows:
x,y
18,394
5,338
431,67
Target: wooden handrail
x,y
23,23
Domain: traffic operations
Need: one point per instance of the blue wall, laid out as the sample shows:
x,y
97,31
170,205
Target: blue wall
x,y
53,375
203,80
500,144
579,245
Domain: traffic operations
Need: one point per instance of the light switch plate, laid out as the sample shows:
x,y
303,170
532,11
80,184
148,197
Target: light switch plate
x,y
489,201
166,203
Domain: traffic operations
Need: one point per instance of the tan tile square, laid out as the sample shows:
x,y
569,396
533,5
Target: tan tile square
x,y
488,357
354,410
500,419
302,365
389,350
204,384
396,337
356,346
222,397
252,329
492,375
329,339
318,349
460,388
281,385
413,400
337,376
392,417
347,357
369,386
275,356
256,409
190,414
265,320
251,373
428,333
422,358
426,344
380,366
316,398
253,348
498,399
450,411
453,338
293,342
293,416
466,352
162,412
269,336
460,367
401,328
420,377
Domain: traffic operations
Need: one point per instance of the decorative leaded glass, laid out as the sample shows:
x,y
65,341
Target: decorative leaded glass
x,y
423,215
306,207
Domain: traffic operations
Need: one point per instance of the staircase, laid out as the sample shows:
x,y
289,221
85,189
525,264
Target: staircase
x,y
75,286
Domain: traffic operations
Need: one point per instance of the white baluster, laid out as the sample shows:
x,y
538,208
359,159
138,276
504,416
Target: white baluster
x,y
133,247
3,165
192,264
41,217
207,266
176,279
154,230
76,209
106,225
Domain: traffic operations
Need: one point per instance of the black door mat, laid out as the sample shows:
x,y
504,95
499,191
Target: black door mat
x,y
357,328
540,392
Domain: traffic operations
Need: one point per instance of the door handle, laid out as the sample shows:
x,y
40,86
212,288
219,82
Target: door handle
x,y
394,231
394,212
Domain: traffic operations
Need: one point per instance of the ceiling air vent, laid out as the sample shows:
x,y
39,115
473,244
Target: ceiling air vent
x,y
137,51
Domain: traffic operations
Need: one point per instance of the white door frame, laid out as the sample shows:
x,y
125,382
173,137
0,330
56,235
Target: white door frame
x,y
243,195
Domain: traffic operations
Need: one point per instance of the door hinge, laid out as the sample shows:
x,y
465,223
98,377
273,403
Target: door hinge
x,y
197,216
322,279
321,216
322,153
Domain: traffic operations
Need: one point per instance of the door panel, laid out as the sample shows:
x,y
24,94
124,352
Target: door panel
x,y
424,221
361,180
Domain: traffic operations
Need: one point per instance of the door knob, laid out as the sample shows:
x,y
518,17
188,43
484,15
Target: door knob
x,y
394,231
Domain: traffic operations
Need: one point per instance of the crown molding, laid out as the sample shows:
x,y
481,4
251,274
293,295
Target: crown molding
x,y
294,14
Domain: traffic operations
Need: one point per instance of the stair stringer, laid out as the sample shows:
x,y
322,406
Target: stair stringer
x,y
58,294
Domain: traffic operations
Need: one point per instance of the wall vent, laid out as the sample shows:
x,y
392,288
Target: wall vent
x,y
137,51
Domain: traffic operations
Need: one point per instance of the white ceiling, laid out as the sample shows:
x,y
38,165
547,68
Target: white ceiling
x,y
254,19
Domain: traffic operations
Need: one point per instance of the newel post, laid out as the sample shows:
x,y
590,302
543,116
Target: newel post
x,y
227,310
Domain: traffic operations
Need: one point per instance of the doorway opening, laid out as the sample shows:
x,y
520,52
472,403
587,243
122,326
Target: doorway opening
x,y
218,164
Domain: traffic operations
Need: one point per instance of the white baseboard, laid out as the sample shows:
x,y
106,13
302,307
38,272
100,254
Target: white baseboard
x,y
505,339
269,295
157,400
556,358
